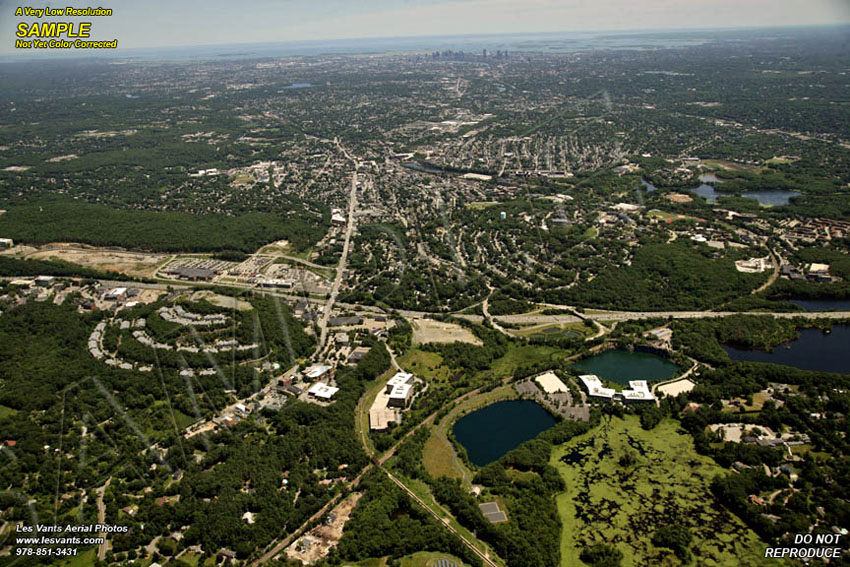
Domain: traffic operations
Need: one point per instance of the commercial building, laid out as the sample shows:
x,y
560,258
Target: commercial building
x,y
595,389
399,379
322,391
276,283
6,243
345,321
400,395
116,294
193,274
638,392
316,371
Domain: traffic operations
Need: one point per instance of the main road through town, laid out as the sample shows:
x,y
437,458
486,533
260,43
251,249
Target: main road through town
x,y
340,268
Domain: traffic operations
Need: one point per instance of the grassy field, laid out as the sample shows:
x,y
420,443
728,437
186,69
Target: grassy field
x,y
428,559
428,365
622,505
480,205
664,215
731,166
421,559
523,355
438,457
82,559
579,328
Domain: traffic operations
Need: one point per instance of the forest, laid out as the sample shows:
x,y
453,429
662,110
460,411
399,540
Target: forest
x,y
99,225
676,276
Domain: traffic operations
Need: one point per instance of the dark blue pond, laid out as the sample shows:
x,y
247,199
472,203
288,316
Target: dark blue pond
x,y
621,366
491,432
813,350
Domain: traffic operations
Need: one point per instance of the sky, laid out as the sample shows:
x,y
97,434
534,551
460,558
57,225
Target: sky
x,y
161,23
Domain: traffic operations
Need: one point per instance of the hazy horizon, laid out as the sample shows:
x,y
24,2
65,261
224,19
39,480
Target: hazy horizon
x,y
195,23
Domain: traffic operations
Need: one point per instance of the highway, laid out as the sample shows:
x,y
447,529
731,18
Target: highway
x,y
634,315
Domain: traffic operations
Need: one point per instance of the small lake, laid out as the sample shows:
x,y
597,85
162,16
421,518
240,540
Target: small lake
x,y
769,198
492,432
822,304
620,366
813,350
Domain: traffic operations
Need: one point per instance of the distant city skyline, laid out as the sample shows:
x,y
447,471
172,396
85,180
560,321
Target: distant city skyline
x,y
161,23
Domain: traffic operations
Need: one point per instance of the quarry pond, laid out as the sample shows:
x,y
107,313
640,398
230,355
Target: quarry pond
x,y
620,366
491,432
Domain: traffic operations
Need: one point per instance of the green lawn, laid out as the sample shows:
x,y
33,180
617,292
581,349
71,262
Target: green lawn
x,y
438,457
537,330
428,559
523,355
622,505
428,365
183,420
83,559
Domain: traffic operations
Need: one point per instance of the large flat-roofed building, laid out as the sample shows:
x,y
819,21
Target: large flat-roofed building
x,y
399,379
322,391
116,294
316,371
550,383
345,321
400,395
638,392
595,388
194,274
276,283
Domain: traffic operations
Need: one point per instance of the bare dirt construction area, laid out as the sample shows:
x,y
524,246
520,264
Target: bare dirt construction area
x,y
138,264
276,248
222,300
430,331
317,543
